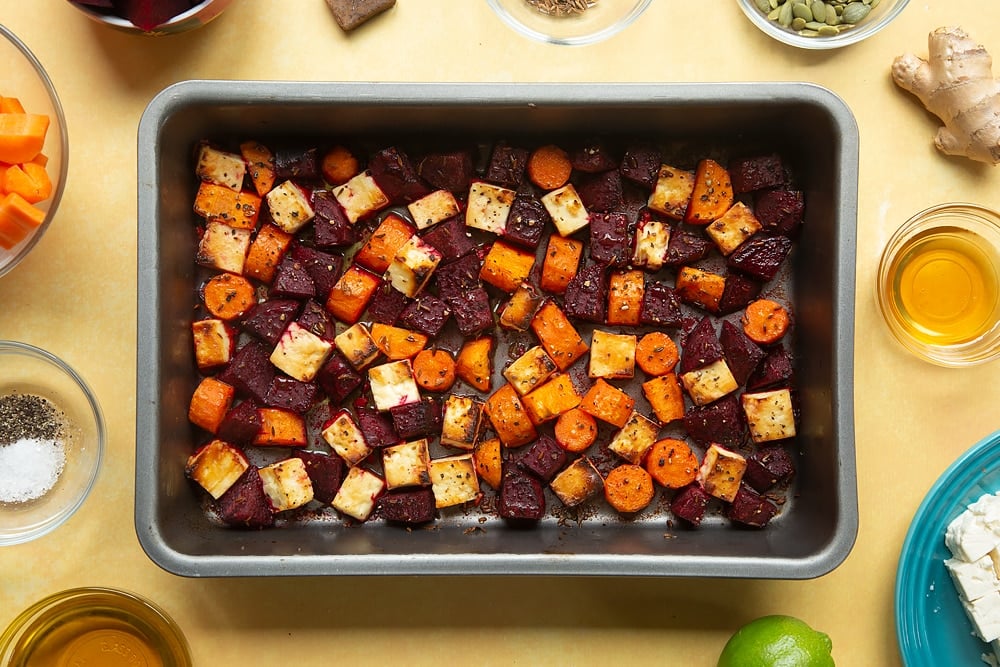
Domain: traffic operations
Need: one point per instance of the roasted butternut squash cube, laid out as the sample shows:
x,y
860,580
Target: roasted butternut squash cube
x,y
474,364
665,397
700,287
488,207
672,192
634,439
407,464
345,438
509,417
397,343
578,482
489,462
352,293
612,355
462,422
210,402
287,484
530,370
712,195
625,290
770,414
234,208
280,428
433,208
562,260
266,251
566,209
608,403
454,480
550,400
385,241
506,267
721,472
557,335
357,495
216,467
360,197
734,227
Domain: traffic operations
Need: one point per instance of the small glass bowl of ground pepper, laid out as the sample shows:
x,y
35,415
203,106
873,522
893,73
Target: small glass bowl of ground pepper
x,y
51,442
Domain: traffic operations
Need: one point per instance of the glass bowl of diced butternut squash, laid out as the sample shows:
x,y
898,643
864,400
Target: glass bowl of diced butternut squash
x,y
33,151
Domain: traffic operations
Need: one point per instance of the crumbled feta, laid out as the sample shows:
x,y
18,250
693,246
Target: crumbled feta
x,y
973,537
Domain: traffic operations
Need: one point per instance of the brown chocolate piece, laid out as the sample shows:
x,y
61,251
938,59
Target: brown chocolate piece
x,y
349,14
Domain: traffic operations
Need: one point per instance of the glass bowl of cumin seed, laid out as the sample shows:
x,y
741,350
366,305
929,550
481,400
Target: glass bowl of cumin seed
x,y
52,439
569,22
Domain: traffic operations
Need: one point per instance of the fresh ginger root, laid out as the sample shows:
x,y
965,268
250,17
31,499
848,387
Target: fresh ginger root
x,y
956,84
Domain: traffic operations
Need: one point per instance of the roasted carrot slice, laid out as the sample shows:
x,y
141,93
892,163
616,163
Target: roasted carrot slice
x,y
765,321
22,136
227,296
575,430
339,165
629,488
549,167
656,353
672,463
434,370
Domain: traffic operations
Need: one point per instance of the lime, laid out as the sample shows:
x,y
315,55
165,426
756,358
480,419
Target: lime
x,y
777,641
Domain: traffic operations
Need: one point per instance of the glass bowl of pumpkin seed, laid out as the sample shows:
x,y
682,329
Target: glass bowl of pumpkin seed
x,y
821,24
569,22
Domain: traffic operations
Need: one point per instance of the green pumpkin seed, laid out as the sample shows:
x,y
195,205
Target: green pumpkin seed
x,y
818,9
854,12
808,33
827,31
802,11
832,18
814,25
773,4
773,14
763,5
874,3
785,15
798,24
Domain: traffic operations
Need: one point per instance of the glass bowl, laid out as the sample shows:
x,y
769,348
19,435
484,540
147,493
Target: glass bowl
x,y
49,419
881,14
94,626
599,20
24,78
938,284
195,17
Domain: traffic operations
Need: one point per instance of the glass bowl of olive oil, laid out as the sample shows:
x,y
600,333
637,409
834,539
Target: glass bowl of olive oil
x,y
939,284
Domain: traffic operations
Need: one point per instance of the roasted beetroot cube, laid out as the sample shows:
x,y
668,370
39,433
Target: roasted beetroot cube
x,y
780,211
315,318
701,347
331,228
387,304
326,472
685,248
410,506
750,509
241,424
417,420
447,171
322,267
756,173
451,239
459,276
250,371
738,293
526,221
660,306
690,503
768,466
601,191
337,378
722,421
472,310
297,164
611,238
292,280
291,394
543,459
426,314
522,497
742,354
394,173
376,427
587,294
775,369
641,165
592,158
760,256
268,319
507,165
244,504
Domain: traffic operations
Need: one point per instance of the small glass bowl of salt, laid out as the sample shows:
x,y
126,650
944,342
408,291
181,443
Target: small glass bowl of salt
x,y
51,442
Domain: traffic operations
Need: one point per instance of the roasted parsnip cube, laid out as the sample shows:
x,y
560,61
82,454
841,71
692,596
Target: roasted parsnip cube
x,y
721,472
216,467
290,207
672,192
709,383
634,439
300,353
221,167
357,495
488,207
287,484
407,464
566,209
506,267
412,266
214,343
579,481
357,346
462,422
223,247
734,227
612,355
552,399
652,239
454,480
346,439
530,370
770,415
393,384
360,197
431,209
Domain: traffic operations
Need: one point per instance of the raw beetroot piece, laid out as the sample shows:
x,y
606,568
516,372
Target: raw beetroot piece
x,y
471,309
690,503
387,304
337,378
768,466
543,459
685,248
587,294
326,473
268,319
780,211
750,509
376,427
315,318
776,368
322,267
244,504
641,165
526,221
701,347
250,371
592,158
611,238
738,293
296,164
660,306
291,394
756,173
601,191
241,424
447,171
507,165
292,280
522,497
331,228
722,421
411,506
393,172
426,314
760,256
459,276
417,420
451,239
742,354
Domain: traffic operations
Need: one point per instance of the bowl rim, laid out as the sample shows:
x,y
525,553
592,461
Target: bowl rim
x,y
125,24
576,40
820,43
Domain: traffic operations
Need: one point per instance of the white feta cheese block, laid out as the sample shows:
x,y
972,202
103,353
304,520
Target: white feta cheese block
x,y
407,464
357,495
530,370
709,383
651,241
221,167
634,439
300,353
360,197
611,355
412,266
287,484
431,209
985,615
973,580
969,538
454,480
357,345
721,472
734,227
392,384
461,422
223,247
216,467
346,439
770,415
488,207
566,209
289,206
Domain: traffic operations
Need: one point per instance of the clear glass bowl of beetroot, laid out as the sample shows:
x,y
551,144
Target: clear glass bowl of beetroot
x,y
52,439
569,22
163,17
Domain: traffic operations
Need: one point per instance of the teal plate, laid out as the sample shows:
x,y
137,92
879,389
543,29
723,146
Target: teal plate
x,y
931,625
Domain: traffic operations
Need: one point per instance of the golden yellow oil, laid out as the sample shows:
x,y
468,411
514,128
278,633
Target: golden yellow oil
x,y
945,286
